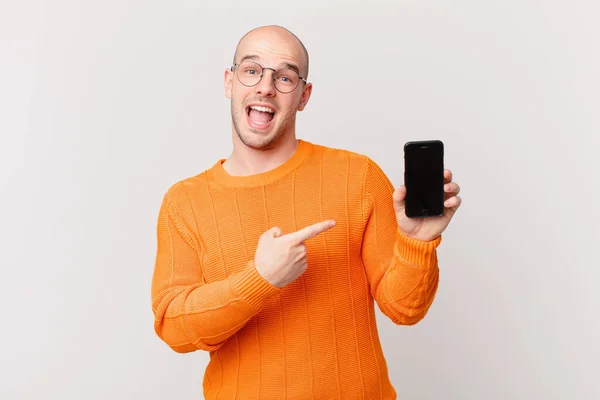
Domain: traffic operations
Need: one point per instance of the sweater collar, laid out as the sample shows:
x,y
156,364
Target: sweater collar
x,y
221,176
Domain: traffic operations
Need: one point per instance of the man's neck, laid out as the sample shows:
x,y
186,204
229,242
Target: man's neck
x,y
245,161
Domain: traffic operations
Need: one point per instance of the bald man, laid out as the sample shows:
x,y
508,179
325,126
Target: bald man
x,y
272,259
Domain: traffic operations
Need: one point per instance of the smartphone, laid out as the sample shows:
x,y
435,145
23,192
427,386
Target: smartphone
x,y
424,178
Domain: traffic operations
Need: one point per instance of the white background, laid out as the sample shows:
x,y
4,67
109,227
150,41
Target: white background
x,y
104,105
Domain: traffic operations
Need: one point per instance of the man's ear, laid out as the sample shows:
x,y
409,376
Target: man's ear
x,y
228,82
305,96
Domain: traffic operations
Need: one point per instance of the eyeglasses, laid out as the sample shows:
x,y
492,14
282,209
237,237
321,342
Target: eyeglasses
x,y
250,73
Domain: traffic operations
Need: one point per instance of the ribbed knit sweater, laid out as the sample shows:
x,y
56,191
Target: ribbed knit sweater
x,y
317,337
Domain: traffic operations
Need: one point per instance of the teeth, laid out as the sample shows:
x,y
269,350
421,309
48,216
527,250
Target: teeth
x,y
263,109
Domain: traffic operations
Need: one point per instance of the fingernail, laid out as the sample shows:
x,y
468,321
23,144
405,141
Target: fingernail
x,y
332,223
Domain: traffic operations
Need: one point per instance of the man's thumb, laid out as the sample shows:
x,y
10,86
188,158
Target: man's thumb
x,y
274,232
399,196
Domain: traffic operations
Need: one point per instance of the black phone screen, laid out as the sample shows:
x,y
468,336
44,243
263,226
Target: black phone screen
x,y
424,178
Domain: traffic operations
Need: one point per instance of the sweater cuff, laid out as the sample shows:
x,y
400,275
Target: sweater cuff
x,y
417,252
252,287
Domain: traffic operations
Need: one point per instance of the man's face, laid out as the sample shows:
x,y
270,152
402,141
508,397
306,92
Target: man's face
x,y
257,128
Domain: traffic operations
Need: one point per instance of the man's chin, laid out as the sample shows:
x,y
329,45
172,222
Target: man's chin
x,y
258,140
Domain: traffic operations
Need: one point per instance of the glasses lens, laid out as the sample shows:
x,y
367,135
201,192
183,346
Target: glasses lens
x,y
249,73
286,80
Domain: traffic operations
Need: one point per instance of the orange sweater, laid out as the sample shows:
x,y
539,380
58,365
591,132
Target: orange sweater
x,y
317,337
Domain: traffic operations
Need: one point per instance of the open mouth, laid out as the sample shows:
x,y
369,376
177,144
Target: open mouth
x,y
260,116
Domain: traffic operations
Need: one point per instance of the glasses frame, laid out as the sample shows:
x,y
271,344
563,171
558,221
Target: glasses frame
x,y
263,73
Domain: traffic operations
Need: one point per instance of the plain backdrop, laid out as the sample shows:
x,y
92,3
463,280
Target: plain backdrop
x,y
104,105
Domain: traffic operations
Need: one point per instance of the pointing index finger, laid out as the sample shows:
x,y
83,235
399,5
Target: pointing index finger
x,y
311,231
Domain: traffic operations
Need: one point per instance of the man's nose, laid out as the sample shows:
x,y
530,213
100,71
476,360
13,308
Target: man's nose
x,y
266,86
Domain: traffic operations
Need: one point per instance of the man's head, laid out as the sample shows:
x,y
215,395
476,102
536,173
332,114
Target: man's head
x,y
263,51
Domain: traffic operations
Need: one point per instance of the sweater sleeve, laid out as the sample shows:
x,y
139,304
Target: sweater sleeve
x,y
402,272
190,314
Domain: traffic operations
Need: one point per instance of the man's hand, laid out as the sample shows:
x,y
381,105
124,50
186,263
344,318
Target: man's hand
x,y
281,259
428,228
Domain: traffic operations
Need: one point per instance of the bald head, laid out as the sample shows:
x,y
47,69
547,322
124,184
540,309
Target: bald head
x,y
277,38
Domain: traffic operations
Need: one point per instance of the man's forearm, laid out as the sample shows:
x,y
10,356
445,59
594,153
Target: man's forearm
x,y
204,316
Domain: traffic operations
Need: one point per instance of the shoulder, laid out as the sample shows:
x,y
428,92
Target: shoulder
x,y
192,183
358,162
342,155
178,194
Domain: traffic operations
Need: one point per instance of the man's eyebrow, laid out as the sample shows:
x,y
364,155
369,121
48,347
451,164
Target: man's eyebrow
x,y
285,64
249,57
292,66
